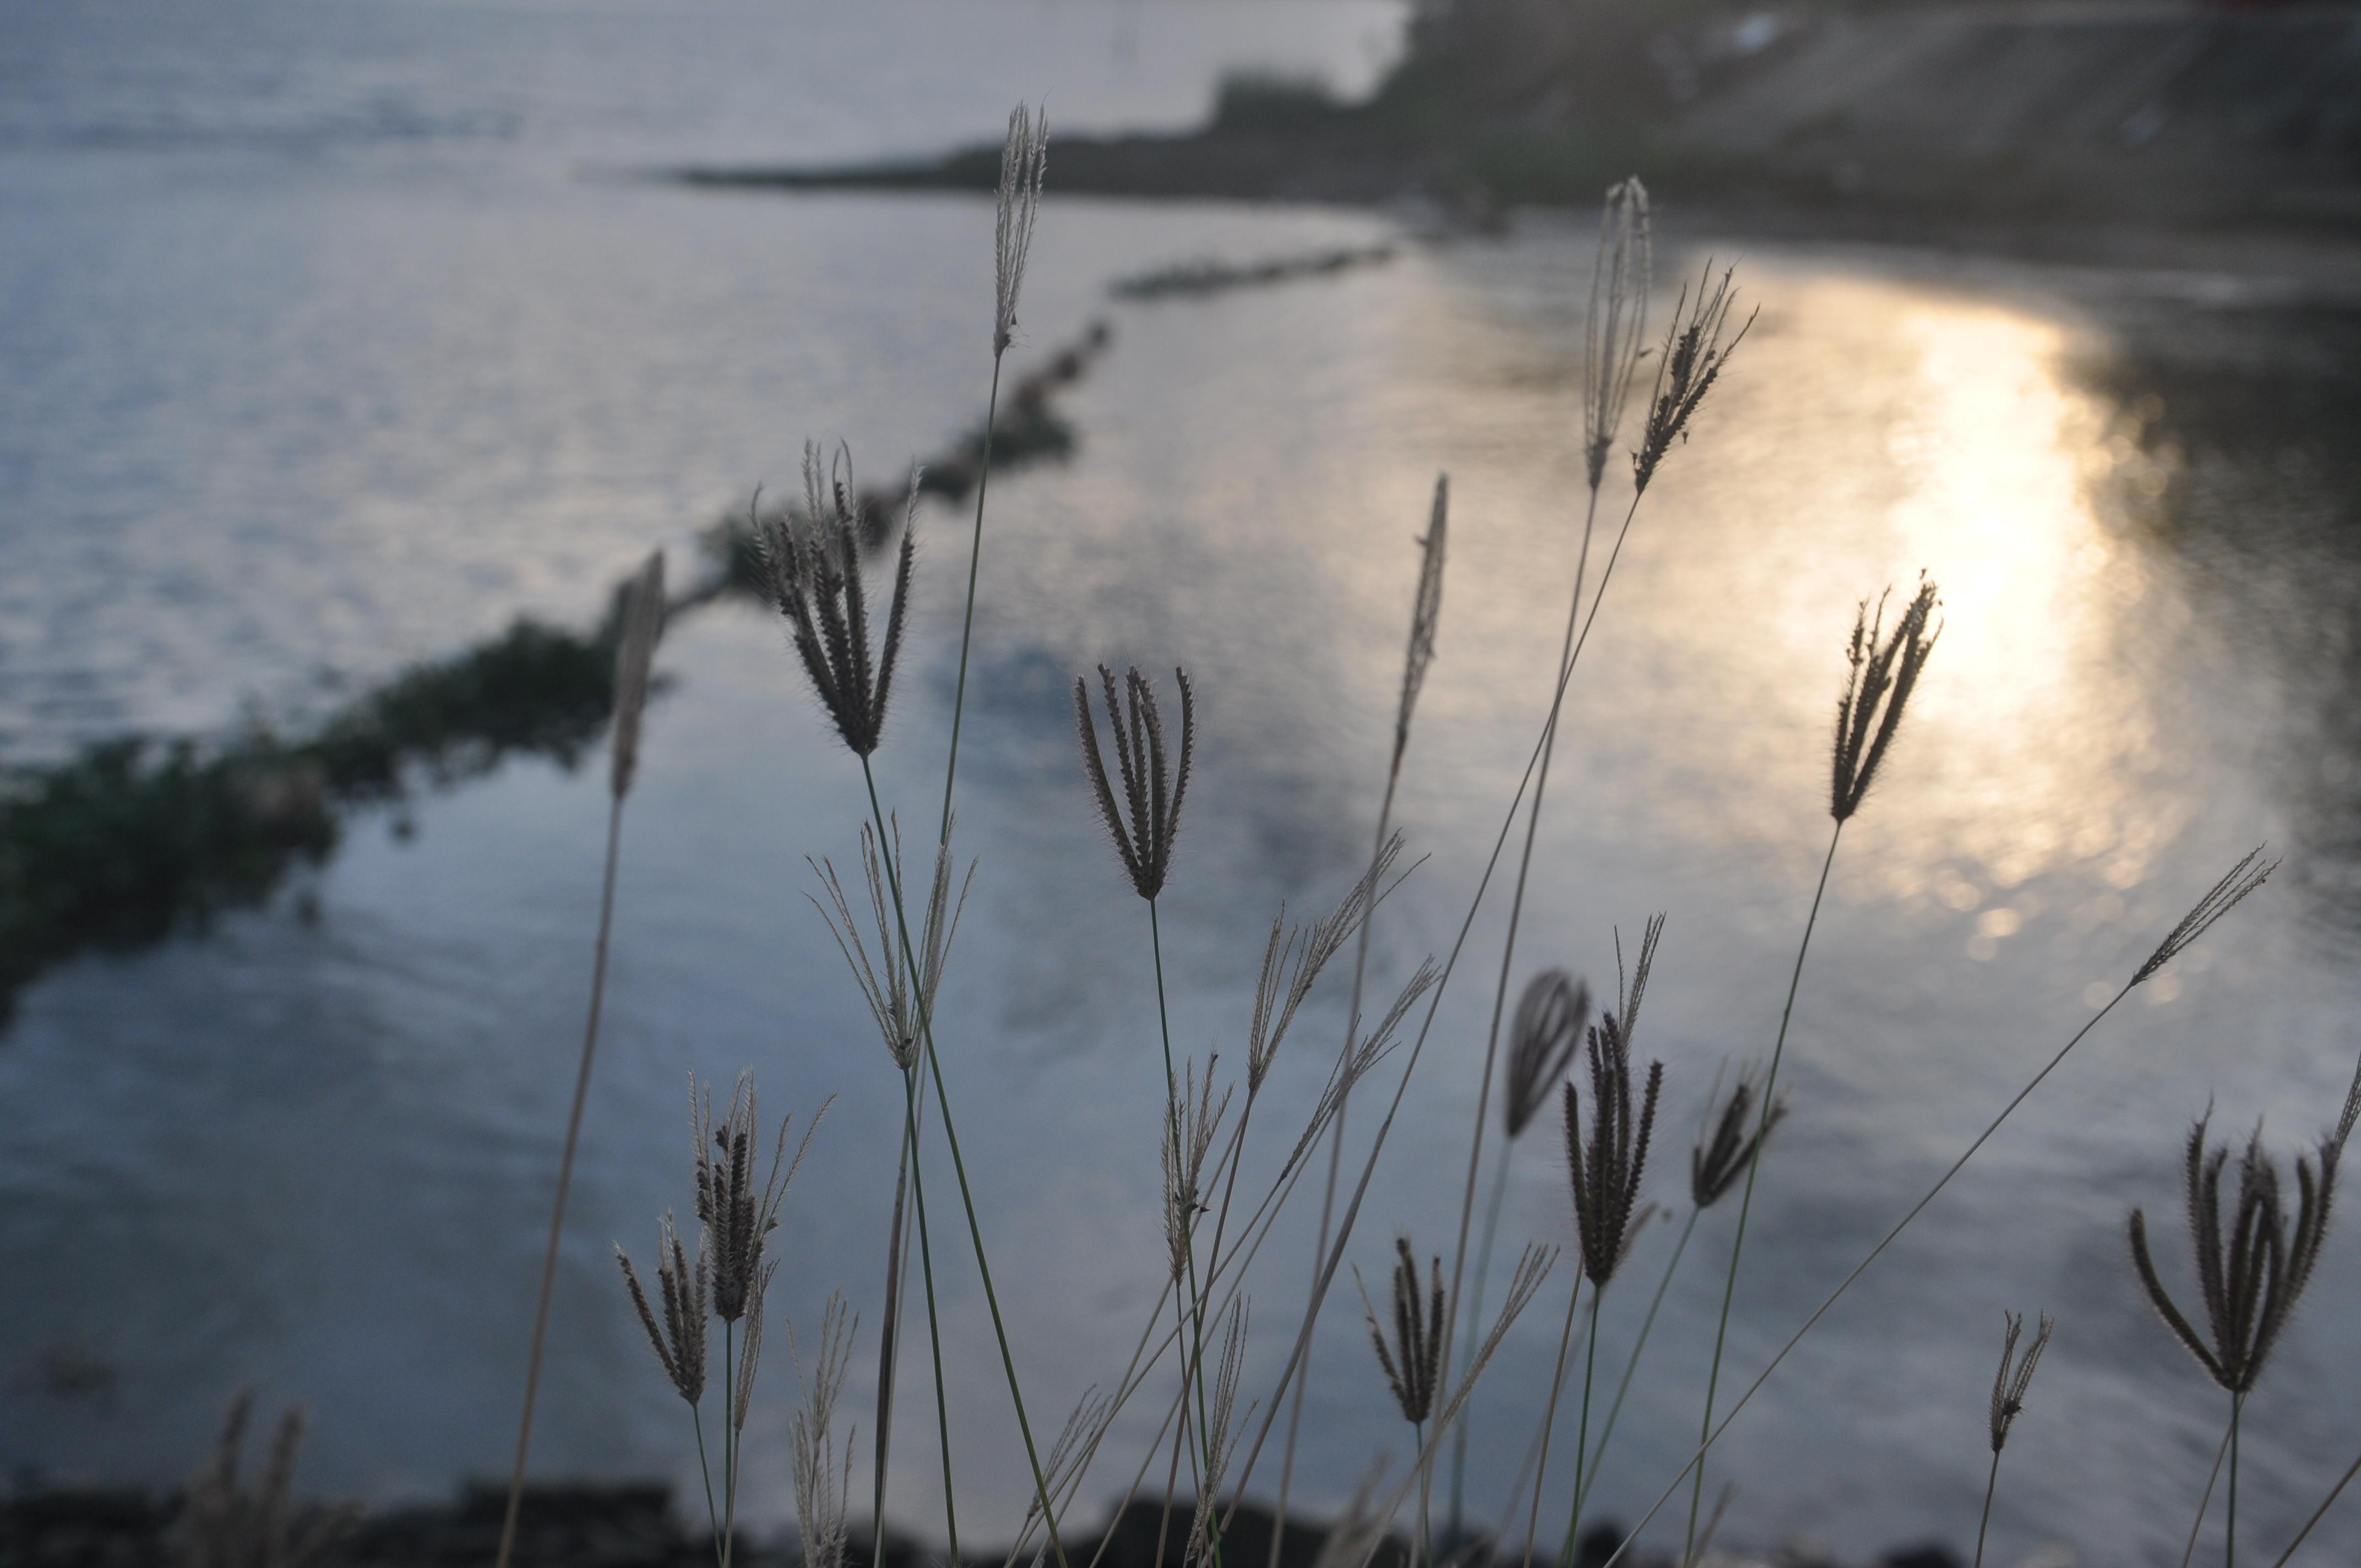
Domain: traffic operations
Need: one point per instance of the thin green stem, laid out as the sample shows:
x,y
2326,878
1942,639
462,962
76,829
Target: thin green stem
x,y
1746,1203
1549,1413
1582,1441
1475,1325
705,1469
1632,1365
1566,657
1847,1283
2321,1512
911,1140
1992,1479
564,1179
1335,1255
967,623
1423,1541
1171,1471
1335,1137
1196,1371
889,1336
2205,1498
2230,1546
729,1443
959,1169
934,1333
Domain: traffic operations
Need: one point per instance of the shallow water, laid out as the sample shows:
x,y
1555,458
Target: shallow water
x,y
333,343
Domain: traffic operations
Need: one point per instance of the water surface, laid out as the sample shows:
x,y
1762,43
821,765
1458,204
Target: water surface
x,y
332,342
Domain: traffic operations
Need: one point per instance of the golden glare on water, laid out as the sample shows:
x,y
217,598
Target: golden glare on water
x,y
2034,741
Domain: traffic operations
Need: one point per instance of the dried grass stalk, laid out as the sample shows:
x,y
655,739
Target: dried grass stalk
x,y
1222,1424
898,1006
2251,871
1294,958
1618,321
1425,616
638,624
1184,1165
224,1524
2010,1382
823,1488
1024,159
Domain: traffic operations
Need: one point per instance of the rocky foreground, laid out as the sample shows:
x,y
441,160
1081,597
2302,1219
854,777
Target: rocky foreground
x,y
631,1525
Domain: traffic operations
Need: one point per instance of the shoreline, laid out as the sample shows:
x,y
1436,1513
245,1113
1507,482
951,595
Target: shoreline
x,y
2294,262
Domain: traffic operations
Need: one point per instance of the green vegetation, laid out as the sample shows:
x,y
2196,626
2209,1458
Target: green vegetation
x,y
134,841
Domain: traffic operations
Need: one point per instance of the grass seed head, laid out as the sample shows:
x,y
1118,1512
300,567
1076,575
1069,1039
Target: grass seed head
x,y
2250,1269
1735,1130
1618,321
1687,367
822,1488
679,1338
1223,1424
1542,1043
902,1011
738,1214
1605,1170
1023,159
1184,1165
1146,819
2251,871
1426,612
1884,671
2009,1384
812,567
1414,1363
1293,958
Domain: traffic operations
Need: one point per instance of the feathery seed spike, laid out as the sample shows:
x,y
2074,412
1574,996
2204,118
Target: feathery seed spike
x,y
812,564
1883,673
1604,1170
1024,159
1618,321
1687,367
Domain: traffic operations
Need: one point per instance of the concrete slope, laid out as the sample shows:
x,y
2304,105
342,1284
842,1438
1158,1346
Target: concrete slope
x,y
2242,109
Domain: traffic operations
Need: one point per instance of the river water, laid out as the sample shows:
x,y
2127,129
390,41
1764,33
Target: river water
x,y
335,335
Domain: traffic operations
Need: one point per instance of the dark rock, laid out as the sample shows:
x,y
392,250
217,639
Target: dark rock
x,y
1932,1554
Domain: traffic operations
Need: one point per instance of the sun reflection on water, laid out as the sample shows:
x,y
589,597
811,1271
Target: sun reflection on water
x,y
2038,729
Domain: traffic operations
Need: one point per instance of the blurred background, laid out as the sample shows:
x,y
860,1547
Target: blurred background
x,y
335,335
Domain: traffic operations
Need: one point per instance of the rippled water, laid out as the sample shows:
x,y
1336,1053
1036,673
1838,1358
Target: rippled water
x,y
331,342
